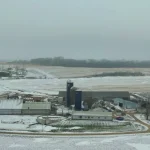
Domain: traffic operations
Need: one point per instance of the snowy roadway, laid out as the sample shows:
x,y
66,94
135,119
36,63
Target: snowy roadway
x,y
122,142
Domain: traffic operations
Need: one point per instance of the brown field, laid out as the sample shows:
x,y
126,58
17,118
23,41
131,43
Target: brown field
x,y
69,72
63,72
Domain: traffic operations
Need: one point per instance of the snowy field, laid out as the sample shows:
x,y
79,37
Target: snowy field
x,y
14,122
52,86
22,124
120,142
34,72
53,83
82,71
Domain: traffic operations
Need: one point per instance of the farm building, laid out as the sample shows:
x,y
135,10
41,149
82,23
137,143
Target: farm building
x,y
36,108
10,107
73,95
18,107
91,115
77,96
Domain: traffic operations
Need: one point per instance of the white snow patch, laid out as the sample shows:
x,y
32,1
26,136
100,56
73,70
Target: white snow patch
x,y
16,145
55,85
129,117
142,118
140,146
83,143
109,140
40,140
14,122
40,127
139,127
74,128
13,126
39,73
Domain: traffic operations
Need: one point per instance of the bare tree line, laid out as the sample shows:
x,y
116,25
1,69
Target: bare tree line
x,y
61,61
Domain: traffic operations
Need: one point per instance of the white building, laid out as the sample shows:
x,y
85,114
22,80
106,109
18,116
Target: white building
x,y
36,108
92,115
17,107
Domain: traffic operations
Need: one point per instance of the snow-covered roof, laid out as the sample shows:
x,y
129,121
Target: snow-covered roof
x,y
11,104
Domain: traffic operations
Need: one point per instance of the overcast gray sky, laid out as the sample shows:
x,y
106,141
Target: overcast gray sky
x,y
80,29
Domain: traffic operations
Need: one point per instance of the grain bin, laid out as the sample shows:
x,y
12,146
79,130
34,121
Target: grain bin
x,y
68,97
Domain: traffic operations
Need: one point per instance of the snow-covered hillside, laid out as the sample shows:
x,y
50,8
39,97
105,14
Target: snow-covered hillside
x,y
37,73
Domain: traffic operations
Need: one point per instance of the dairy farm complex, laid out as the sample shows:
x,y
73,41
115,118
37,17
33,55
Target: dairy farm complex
x,y
48,104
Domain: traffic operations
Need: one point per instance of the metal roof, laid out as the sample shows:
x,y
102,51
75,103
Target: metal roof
x,y
11,104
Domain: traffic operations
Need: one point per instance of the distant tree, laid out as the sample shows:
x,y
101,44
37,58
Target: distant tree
x,y
61,61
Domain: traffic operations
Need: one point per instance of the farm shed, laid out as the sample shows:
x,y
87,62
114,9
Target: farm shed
x,y
17,107
10,107
36,108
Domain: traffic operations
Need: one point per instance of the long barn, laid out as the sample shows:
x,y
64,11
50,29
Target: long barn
x,y
18,107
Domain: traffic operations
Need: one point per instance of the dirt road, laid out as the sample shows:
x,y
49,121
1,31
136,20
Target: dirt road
x,y
139,121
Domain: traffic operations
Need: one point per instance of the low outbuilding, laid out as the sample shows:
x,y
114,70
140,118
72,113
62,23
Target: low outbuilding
x,y
92,115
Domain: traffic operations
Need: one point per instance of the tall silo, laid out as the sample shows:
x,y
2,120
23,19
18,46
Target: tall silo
x,y
68,97
78,100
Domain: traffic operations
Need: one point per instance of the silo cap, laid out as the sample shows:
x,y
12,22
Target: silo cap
x,y
69,81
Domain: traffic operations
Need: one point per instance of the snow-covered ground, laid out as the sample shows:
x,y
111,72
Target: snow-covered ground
x,y
120,142
22,123
83,71
37,73
53,86
41,128
139,127
29,123
128,117
14,122
142,118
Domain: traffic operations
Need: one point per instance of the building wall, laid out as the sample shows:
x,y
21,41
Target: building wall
x,y
17,107
10,111
106,94
101,118
62,93
37,105
35,112
24,112
36,108
89,96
